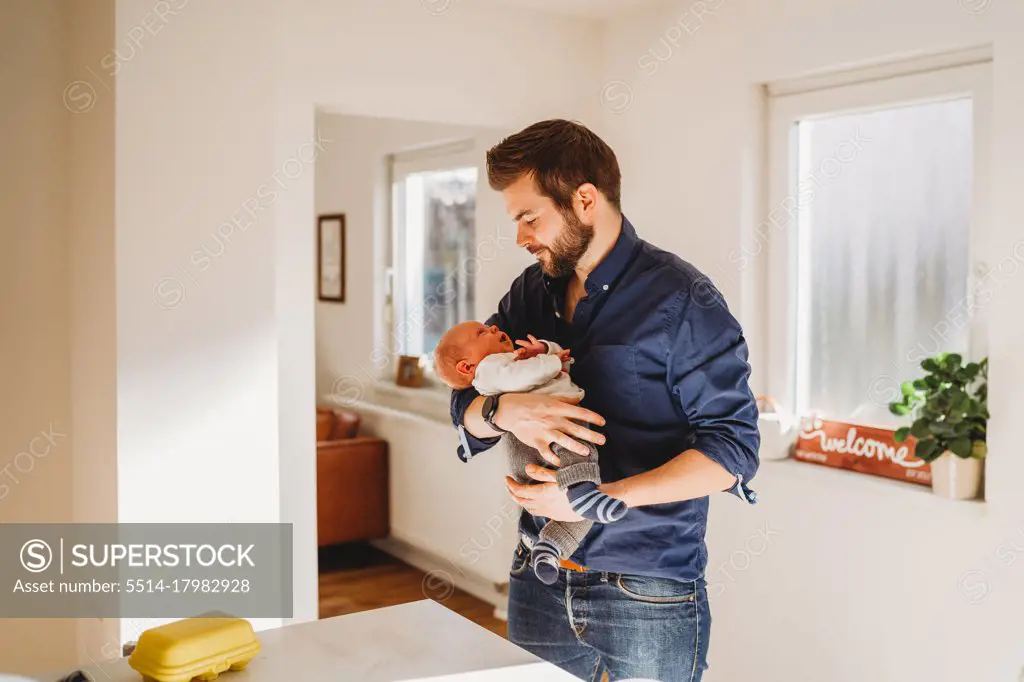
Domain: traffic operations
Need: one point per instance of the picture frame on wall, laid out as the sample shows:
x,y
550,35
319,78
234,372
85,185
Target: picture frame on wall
x,y
331,257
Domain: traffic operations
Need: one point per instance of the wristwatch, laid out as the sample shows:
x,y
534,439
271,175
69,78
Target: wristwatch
x,y
489,410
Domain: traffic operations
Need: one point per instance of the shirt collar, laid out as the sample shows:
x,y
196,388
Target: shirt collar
x,y
609,269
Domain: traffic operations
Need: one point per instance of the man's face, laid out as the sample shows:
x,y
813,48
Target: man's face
x,y
558,241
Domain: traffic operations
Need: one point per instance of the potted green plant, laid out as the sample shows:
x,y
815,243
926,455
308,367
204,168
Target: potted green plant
x,y
949,406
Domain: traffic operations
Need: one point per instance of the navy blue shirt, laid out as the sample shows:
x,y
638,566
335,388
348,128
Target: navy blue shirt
x,y
662,359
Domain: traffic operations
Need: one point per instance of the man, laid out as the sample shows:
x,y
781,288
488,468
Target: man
x,y
664,367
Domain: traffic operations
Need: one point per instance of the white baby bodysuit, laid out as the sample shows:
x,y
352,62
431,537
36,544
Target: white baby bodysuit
x,y
502,373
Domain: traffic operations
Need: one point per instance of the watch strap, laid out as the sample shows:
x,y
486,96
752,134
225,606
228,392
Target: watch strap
x,y
490,408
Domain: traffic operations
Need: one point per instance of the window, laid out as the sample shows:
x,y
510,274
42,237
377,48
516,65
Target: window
x,y
879,220
430,288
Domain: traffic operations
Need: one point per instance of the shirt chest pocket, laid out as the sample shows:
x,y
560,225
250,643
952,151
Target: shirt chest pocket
x,y
609,376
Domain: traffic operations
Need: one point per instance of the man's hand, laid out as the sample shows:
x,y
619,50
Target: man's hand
x,y
542,499
531,348
539,420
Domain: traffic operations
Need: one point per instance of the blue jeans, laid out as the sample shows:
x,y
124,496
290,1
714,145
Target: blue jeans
x,y
592,622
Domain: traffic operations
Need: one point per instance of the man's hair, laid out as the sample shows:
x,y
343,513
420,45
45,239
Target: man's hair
x,y
561,155
447,355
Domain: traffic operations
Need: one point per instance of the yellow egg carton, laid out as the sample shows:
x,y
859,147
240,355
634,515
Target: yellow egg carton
x,y
201,647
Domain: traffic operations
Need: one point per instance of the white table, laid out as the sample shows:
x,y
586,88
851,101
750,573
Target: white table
x,y
416,642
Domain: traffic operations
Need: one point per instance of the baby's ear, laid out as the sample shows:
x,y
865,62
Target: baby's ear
x,y
463,367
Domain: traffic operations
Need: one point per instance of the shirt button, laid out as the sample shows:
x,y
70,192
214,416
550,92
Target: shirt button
x,y
605,287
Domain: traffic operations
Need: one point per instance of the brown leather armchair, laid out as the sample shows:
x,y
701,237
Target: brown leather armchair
x,y
351,480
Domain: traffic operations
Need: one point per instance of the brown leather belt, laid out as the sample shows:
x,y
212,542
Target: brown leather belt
x,y
563,563
571,566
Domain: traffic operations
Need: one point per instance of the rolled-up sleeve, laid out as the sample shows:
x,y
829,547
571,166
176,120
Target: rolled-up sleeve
x,y
469,445
708,373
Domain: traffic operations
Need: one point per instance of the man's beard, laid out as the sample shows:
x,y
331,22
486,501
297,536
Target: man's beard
x,y
568,247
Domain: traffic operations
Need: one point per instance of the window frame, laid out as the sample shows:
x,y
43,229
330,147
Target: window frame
x,y
872,89
444,156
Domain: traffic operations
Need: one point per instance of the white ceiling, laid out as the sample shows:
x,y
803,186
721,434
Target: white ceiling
x,y
596,9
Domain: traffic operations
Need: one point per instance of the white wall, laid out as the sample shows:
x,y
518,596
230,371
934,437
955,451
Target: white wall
x,y
351,178
397,61
34,356
34,196
831,576
90,34
197,373
453,519
56,348
438,504
216,368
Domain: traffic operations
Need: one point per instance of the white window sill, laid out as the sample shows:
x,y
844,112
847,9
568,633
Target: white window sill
x,y
433,394
844,483
428,405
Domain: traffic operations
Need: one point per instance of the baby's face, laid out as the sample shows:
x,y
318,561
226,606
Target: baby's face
x,y
478,341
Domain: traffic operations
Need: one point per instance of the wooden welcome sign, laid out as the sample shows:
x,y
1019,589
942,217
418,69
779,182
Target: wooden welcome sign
x,y
864,449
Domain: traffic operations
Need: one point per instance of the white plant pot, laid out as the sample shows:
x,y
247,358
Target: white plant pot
x,y
776,436
956,478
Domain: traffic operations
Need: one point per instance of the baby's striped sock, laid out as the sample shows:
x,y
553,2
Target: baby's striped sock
x,y
545,562
592,504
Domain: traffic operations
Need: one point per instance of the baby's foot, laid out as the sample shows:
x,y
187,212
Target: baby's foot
x,y
545,562
592,504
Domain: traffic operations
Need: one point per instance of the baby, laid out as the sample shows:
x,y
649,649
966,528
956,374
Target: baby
x,y
471,354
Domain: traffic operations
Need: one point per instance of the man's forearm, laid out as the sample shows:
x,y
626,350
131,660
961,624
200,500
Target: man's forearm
x,y
474,422
687,476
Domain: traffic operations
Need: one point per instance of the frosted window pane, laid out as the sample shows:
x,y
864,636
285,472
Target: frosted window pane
x,y
437,238
883,255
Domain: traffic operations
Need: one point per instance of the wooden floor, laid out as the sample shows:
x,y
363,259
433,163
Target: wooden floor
x,y
359,577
